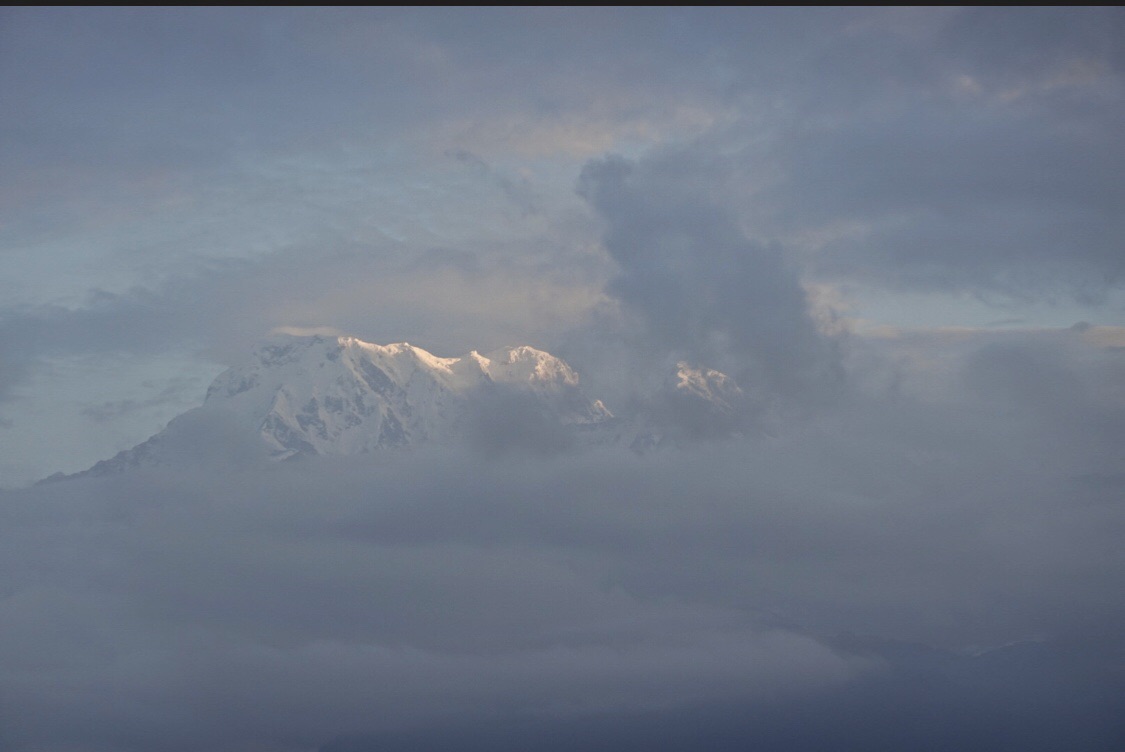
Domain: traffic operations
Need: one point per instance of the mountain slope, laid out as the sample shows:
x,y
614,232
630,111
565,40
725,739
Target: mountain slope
x,y
341,396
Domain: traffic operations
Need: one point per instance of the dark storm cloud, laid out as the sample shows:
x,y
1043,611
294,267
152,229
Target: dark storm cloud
x,y
929,150
701,287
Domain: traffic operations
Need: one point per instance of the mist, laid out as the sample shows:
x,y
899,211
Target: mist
x,y
894,571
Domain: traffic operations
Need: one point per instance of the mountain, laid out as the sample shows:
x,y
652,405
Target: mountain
x,y
340,395
713,390
693,403
319,395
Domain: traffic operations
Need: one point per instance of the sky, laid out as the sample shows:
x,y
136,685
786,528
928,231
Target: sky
x,y
176,184
898,229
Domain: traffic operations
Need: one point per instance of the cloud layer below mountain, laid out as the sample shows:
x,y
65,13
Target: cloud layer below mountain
x,y
892,571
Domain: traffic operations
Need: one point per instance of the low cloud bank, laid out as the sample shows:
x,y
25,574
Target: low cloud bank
x,y
895,572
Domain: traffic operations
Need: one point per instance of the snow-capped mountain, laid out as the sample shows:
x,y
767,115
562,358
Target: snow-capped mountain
x,y
707,386
328,395
693,403
340,395
318,395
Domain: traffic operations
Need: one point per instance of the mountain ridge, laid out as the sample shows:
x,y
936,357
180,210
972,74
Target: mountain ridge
x,y
308,395
339,395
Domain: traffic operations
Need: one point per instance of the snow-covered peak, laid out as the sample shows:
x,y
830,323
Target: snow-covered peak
x,y
712,386
694,403
526,365
296,360
323,394
338,395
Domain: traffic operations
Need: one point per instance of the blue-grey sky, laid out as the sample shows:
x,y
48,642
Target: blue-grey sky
x,y
900,230
176,183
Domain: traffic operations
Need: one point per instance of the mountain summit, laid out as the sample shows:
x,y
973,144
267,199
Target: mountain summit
x,y
340,395
318,395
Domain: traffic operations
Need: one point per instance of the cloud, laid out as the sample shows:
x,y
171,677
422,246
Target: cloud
x,y
380,291
1016,202
178,390
505,421
700,287
519,192
932,158
952,547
